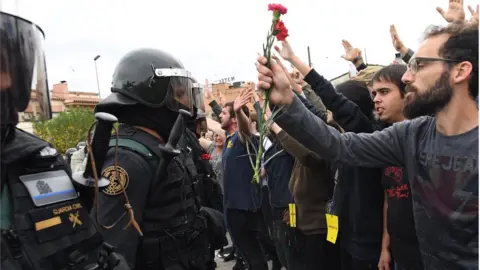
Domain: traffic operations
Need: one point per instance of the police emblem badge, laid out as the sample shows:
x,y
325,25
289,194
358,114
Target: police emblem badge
x,y
117,178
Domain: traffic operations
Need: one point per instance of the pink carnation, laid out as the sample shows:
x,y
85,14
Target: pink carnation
x,y
277,7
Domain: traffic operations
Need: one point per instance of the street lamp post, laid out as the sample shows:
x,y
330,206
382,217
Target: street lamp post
x,y
96,71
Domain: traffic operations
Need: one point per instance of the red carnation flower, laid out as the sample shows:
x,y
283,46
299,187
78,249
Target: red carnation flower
x,y
277,7
206,157
281,32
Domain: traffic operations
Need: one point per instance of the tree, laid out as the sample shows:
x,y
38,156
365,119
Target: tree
x,y
67,129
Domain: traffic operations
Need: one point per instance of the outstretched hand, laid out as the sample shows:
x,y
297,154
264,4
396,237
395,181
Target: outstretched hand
x,y
350,53
454,13
207,91
285,51
396,41
474,19
276,79
242,99
296,87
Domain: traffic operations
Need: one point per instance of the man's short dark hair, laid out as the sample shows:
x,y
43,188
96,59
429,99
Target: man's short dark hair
x,y
231,111
392,73
462,45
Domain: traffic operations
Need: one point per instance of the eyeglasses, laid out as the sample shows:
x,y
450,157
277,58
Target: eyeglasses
x,y
415,61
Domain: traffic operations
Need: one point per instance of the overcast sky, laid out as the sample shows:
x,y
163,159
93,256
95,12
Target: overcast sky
x,y
216,38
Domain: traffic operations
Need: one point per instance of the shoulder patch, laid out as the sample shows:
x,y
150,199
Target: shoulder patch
x,y
48,152
117,179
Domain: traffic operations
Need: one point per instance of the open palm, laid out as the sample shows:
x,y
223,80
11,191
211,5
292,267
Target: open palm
x,y
350,52
396,41
242,99
455,12
285,51
474,18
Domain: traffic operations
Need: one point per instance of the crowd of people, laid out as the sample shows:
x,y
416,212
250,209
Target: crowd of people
x,y
377,172
386,162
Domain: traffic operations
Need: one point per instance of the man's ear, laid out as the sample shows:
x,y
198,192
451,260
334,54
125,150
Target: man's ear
x,y
462,72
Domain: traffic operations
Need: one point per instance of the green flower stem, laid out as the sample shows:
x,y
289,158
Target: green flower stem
x,y
256,176
267,52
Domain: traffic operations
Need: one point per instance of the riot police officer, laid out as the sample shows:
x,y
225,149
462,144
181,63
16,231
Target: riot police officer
x,y
208,189
43,223
206,183
149,88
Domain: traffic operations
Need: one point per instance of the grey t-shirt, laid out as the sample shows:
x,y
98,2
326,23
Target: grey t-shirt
x,y
442,171
216,163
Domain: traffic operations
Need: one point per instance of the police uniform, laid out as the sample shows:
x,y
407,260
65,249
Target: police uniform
x,y
48,227
209,191
44,224
149,86
207,185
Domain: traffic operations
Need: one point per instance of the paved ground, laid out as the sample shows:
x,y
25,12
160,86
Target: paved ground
x,y
221,265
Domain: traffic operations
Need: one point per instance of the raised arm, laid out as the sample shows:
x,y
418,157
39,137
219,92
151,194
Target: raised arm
x,y
379,149
215,127
242,119
305,93
353,55
346,112
404,51
294,148
204,143
211,102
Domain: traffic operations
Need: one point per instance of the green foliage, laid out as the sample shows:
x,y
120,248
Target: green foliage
x,y
67,129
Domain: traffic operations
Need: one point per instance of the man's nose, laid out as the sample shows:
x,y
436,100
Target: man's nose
x,y
407,77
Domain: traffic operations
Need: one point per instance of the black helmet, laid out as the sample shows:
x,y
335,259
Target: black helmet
x,y
152,78
198,97
23,73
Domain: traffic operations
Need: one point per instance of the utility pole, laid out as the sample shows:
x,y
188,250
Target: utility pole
x,y
309,59
366,60
96,71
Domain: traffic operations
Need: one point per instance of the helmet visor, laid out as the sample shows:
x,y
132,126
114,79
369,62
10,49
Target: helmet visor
x,y
179,90
198,95
23,72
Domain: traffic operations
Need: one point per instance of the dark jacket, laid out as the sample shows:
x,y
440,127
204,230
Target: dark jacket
x,y
311,183
278,171
358,198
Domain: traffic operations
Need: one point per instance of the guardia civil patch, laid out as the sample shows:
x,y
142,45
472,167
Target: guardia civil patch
x,y
117,179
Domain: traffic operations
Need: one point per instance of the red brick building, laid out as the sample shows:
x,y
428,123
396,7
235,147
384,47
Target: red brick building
x,y
227,92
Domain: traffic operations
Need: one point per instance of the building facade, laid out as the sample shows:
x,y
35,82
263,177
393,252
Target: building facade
x,y
61,99
228,92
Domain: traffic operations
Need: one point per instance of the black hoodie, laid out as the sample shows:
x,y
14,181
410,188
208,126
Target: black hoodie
x,y
359,195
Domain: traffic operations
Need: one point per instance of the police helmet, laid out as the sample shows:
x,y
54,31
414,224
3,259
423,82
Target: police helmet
x,y
152,78
197,90
23,72
201,114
